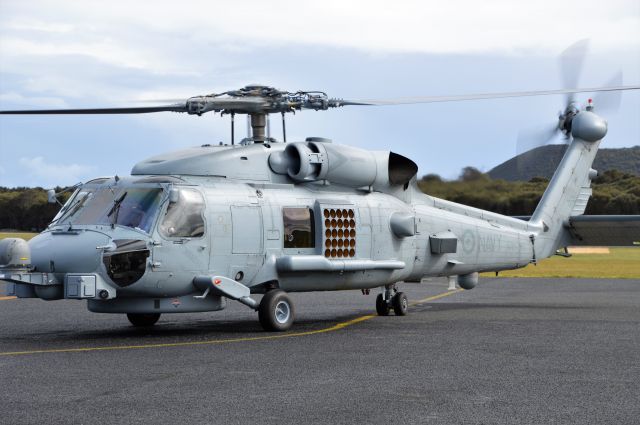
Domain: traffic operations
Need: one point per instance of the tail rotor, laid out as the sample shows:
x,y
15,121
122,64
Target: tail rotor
x,y
571,63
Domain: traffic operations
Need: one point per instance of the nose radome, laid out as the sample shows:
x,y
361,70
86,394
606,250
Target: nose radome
x,y
67,252
14,252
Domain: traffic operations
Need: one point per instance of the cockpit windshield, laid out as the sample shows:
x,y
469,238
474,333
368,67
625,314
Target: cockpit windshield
x,y
126,206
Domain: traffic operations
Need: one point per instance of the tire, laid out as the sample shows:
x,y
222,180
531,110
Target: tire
x,y
382,307
400,304
276,311
143,319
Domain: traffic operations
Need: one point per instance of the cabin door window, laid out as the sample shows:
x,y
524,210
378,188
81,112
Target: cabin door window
x,y
299,228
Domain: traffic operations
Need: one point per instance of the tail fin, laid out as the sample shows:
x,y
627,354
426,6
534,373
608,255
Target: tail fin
x,y
569,189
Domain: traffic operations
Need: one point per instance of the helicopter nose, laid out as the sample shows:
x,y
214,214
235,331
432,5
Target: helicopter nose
x,y
67,252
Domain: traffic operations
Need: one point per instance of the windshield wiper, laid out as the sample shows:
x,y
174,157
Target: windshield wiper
x,y
71,209
115,209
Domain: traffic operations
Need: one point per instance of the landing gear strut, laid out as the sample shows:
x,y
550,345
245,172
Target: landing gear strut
x,y
391,298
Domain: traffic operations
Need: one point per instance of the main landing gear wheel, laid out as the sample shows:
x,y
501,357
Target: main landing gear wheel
x,y
142,319
276,311
400,304
382,306
386,301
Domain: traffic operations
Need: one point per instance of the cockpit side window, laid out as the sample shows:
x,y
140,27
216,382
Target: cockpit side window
x,y
138,209
184,218
299,228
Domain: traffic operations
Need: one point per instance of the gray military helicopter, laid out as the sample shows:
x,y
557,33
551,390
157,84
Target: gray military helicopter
x,y
189,230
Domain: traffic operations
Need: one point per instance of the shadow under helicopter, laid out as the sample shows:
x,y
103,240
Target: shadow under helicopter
x,y
171,331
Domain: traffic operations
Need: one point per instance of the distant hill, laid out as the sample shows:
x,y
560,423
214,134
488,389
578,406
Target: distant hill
x,y
543,161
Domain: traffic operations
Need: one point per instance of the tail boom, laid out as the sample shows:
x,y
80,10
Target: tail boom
x,y
569,189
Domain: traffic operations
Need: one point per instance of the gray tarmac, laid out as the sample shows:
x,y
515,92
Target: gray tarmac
x,y
511,351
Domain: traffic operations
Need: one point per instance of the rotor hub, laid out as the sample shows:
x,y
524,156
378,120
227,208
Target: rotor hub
x,y
259,99
588,126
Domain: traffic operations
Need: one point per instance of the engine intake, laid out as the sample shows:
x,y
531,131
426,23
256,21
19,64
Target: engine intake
x,y
313,161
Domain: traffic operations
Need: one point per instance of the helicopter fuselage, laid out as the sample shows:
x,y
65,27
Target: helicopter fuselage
x,y
189,230
297,237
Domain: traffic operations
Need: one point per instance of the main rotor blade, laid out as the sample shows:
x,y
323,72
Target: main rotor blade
x,y
481,96
204,104
135,110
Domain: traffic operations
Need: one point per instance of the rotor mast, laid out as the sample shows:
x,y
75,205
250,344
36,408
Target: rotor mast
x,y
258,125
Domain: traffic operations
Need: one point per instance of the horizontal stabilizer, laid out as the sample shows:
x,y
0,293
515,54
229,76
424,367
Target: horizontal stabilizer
x,y
602,230
605,230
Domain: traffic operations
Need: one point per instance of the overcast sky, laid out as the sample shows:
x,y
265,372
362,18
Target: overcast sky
x,y
97,53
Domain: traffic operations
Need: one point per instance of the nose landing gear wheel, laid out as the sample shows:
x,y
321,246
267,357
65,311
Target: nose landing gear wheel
x,y
400,304
276,311
143,320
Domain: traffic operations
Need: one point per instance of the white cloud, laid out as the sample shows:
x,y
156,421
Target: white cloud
x,y
50,174
38,25
106,51
456,26
40,101
196,38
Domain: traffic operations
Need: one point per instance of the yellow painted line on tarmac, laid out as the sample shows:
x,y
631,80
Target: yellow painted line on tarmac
x,y
333,328
7,298
436,297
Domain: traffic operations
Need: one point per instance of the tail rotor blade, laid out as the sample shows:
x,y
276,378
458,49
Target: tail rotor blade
x,y
571,64
609,102
535,137
529,140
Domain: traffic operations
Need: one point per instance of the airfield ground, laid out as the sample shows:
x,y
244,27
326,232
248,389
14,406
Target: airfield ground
x,y
511,351
23,235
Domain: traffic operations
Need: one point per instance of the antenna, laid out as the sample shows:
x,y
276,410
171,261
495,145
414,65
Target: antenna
x,y
284,130
233,114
